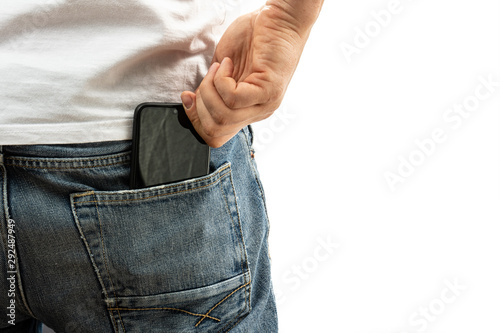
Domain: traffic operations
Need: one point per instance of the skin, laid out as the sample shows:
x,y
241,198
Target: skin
x,y
251,69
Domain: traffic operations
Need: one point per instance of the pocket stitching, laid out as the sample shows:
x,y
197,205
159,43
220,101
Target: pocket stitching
x,y
106,263
157,195
242,249
94,264
222,301
219,181
169,309
204,316
242,244
66,164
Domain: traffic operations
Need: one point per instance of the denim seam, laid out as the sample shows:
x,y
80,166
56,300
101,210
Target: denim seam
x,y
96,269
236,323
149,197
204,316
67,160
234,226
247,138
222,301
169,309
263,198
106,262
247,298
261,190
236,316
67,168
77,220
112,316
18,270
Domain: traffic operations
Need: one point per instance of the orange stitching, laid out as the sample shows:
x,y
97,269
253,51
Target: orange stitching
x,y
152,196
170,309
83,194
121,321
216,305
112,315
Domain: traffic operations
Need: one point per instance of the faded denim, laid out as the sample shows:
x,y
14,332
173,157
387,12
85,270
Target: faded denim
x,y
94,256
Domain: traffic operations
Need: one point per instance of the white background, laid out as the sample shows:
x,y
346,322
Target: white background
x,y
323,155
342,127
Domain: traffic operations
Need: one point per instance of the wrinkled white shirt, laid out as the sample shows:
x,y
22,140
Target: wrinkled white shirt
x,y
72,71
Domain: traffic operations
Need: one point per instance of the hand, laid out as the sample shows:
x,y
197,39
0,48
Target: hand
x,y
252,66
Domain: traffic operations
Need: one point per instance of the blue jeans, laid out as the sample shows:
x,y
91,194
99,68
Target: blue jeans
x,y
81,252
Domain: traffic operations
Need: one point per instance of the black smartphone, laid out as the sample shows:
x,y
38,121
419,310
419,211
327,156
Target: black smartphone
x,y
165,146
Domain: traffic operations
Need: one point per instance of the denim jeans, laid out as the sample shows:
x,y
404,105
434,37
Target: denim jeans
x,y
81,252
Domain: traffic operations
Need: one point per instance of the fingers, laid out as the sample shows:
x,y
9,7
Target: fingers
x,y
189,102
213,110
238,95
220,108
204,125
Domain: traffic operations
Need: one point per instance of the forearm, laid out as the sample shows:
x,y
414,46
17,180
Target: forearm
x,y
300,14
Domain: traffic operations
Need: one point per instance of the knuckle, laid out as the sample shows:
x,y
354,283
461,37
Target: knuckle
x,y
230,100
218,80
277,93
230,103
219,119
226,92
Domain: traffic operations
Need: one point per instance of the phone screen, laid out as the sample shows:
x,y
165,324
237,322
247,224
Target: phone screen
x,y
166,148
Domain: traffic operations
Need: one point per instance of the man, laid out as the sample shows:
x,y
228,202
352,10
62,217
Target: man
x,y
81,252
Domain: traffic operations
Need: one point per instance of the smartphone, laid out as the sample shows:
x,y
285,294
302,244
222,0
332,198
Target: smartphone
x,y
165,146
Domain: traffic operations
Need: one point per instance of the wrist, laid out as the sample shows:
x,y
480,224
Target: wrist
x,y
298,15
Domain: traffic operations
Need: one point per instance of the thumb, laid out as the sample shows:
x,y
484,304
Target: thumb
x,y
188,99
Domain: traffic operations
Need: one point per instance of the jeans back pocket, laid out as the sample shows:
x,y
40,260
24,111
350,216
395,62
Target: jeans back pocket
x,y
172,255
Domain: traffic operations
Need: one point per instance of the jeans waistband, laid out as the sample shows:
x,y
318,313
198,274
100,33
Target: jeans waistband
x,y
67,150
81,150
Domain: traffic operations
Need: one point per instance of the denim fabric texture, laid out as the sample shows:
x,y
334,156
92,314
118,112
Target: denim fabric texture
x,y
94,256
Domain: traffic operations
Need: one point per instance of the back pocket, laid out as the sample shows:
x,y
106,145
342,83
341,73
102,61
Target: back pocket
x,y
169,258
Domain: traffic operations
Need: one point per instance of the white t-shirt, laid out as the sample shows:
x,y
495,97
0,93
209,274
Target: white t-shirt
x,y
72,71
